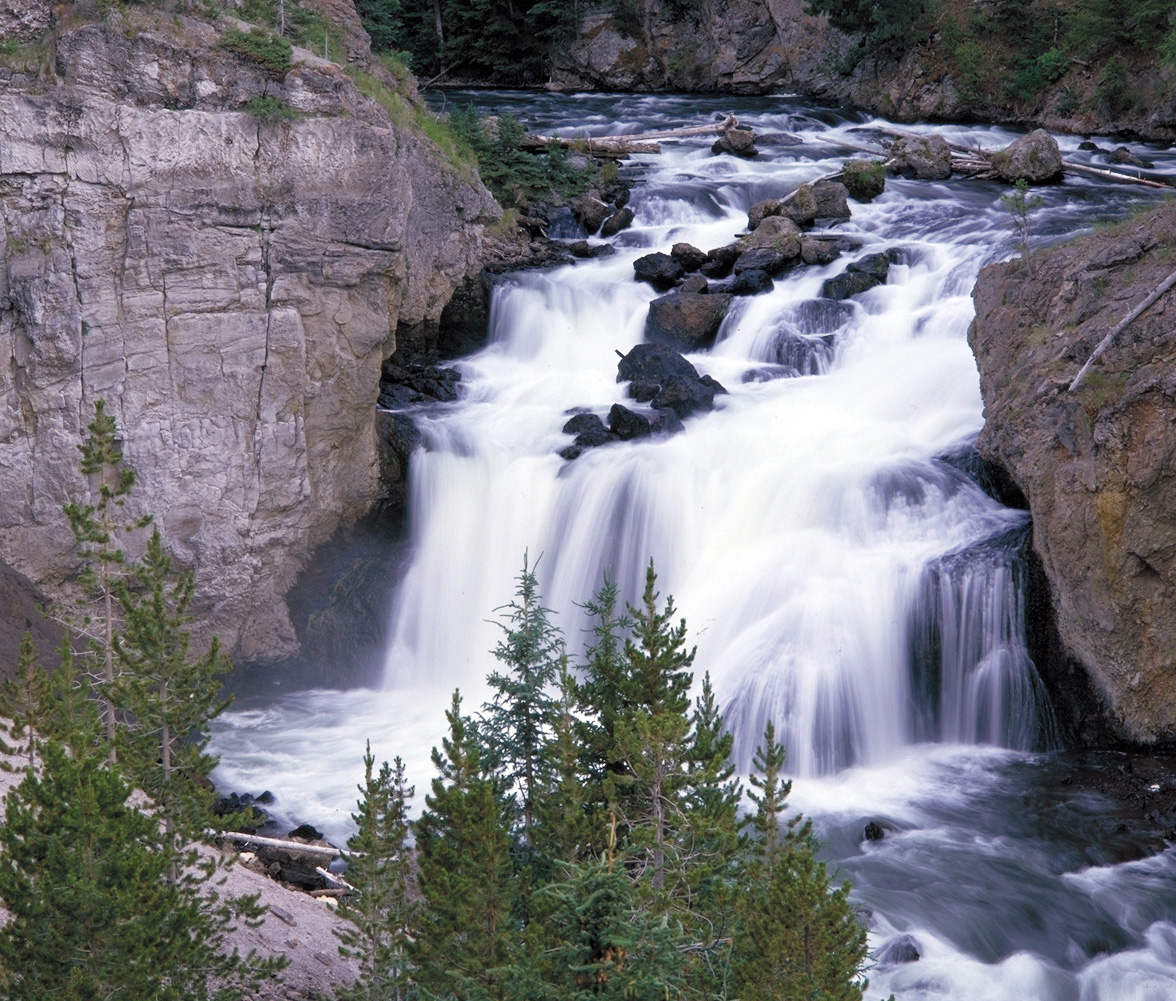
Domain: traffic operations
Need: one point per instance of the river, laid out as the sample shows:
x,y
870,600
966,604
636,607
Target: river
x,y
838,571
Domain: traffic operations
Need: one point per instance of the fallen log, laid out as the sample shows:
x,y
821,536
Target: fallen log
x,y
643,142
291,846
339,881
1138,311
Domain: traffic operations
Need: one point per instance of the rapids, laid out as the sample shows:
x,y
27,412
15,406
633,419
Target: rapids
x,y
839,573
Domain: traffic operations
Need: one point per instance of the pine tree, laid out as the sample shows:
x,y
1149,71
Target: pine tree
x,y
605,946
97,528
168,696
25,702
383,912
798,936
652,734
603,694
467,935
521,718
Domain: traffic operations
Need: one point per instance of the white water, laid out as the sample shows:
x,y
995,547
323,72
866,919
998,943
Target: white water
x,y
836,576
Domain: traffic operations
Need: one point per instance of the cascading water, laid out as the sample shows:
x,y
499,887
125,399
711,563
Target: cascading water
x,y
838,576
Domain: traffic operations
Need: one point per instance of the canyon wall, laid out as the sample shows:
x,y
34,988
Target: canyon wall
x,y
229,286
1097,465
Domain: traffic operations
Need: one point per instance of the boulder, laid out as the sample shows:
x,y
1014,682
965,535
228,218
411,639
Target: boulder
x,y
923,158
1090,147
750,282
900,949
626,424
1034,158
682,390
687,397
766,259
776,233
865,180
737,142
595,437
590,211
416,382
720,261
832,200
689,256
621,219
818,251
643,392
761,210
659,270
858,277
696,284
1124,157
874,832
801,206
686,321
584,249
582,423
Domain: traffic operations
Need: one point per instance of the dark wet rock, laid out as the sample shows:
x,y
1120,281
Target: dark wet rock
x,y
686,321
416,382
571,452
1034,158
1123,156
626,424
925,158
590,211
751,282
666,423
720,261
682,390
396,439
819,251
307,832
583,249
874,832
767,373
582,423
865,180
766,259
875,265
900,949
832,199
761,211
595,437
621,219
689,256
1090,147
659,270
244,808
737,142
696,284
858,277
643,392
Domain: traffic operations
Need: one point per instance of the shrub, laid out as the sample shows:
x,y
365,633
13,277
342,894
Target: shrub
x,y
269,109
271,52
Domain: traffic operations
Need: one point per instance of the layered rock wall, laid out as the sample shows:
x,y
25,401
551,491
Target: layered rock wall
x,y
229,287
1098,466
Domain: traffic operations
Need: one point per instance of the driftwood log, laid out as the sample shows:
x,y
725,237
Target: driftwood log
x,y
290,846
618,146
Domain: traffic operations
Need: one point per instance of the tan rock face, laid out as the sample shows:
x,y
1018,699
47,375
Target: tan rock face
x,y
1098,466
230,288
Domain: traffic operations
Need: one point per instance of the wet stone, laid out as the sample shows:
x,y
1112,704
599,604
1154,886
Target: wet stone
x,y
626,424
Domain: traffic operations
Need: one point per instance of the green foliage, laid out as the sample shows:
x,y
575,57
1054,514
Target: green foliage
x,y
269,110
467,938
383,912
509,171
1114,93
1021,208
25,703
519,722
891,26
269,51
167,696
383,21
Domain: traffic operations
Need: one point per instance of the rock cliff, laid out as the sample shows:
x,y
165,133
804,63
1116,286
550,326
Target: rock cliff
x,y
769,46
1098,466
229,286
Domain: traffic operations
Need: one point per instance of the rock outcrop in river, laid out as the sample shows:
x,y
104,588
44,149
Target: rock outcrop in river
x,y
1098,466
229,286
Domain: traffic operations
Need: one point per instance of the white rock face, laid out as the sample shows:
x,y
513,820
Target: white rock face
x,y
229,287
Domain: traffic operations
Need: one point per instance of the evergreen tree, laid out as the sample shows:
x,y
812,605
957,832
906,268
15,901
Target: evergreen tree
x,y
603,694
521,718
652,734
25,702
467,934
383,912
169,697
767,767
97,528
605,946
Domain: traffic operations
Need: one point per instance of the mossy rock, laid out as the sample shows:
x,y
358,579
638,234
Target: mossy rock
x,y
865,179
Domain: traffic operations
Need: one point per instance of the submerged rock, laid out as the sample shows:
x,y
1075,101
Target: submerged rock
x,y
898,950
858,277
